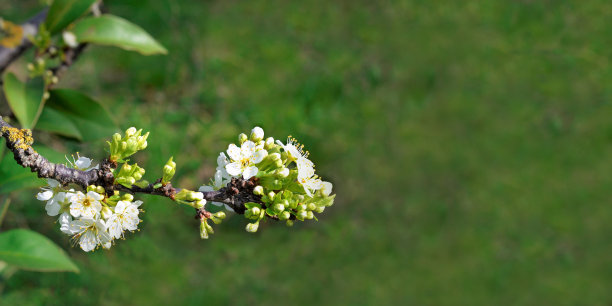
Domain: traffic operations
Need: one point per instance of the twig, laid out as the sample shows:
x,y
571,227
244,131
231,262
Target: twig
x,y
9,55
235,194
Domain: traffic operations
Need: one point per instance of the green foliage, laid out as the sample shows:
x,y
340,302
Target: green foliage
x,y
63,12
25,99
76,115
28,250
115,31
14,177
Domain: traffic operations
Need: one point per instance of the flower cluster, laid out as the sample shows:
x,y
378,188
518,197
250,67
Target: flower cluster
x,y
285,178
91,217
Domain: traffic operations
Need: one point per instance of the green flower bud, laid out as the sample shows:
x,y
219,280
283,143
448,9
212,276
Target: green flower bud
x,y
282,172
311,206
130,132
220,215
203,231
279,207
127,197
168,171
257,134
242,138
255,211
309,215
116,137
252,227
208,228
302,214
106,212
269,144
289,222
285,215
199,204
258,190
271,195
320,209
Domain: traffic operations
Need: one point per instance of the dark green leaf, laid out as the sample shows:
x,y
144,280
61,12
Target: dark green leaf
x,y
14,177
88,116
114,31
24,99
29,250
63,12
52,120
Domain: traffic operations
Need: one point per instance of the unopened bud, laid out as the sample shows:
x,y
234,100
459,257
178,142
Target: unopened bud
x,y
311,206
220,215
269,144
242,138
284,215
258,190
283,172
279,207
130,132
302,214
128,197
257,134
252,227
255,211
309,215
203,231
320,209
106,212
289,222
271,195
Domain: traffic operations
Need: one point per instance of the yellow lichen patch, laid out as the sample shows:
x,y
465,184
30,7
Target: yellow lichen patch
x,y
10,34
21,138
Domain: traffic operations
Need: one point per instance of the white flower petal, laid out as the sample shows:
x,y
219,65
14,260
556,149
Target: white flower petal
x,y
53,207
53,183
82,163
247,149
88,241
216,203
249,172
234,169
234,152
45,195
222,160
205,188
258,156
326,188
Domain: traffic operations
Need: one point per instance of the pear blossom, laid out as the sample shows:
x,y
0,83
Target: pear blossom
x,y
85,205
124,218
221,163
293,149
243,159
90,233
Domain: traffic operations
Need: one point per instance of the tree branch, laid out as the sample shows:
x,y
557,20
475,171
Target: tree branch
x,y
8,55
19,141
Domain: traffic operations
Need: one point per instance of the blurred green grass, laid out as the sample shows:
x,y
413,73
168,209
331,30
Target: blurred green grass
x,y
468,142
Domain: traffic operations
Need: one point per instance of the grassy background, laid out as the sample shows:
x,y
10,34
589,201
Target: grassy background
x,y
469,143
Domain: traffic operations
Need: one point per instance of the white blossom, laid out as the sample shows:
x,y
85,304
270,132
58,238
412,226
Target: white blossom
x,y
217,183
124,218
70,39
243,159
90,233
85,205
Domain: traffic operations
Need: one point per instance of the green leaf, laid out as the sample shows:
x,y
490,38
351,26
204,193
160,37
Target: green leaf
x,y
89,117
29,250
114,31
24,99
54,121
63,12
14,177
